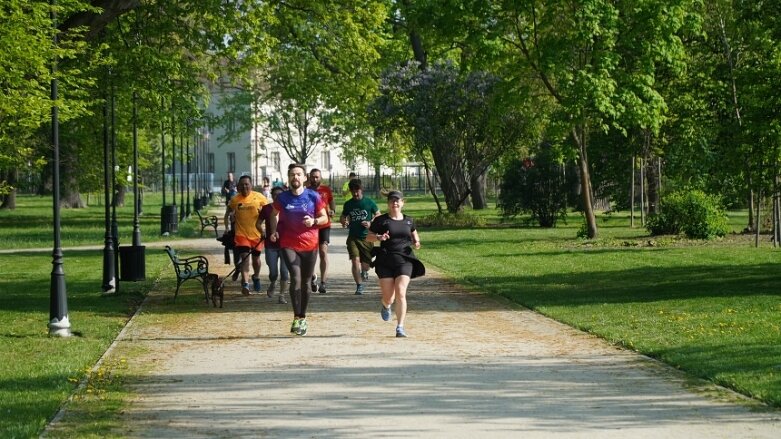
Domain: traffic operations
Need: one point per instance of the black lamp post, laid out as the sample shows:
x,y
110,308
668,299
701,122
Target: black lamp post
x,y
133,257
59,323
109,274
189,159
114,224
181,176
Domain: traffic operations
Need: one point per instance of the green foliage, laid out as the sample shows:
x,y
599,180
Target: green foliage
x,y
693,213
456,220
535,186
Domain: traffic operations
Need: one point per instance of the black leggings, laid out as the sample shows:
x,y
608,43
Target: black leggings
x,y
301,266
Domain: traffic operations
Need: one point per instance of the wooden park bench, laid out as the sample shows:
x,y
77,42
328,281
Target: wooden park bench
x,y
195,267
209,221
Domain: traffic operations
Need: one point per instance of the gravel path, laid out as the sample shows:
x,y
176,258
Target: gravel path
x,y
473,366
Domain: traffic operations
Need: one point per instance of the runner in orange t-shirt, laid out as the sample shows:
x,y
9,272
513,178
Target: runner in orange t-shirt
x,y
244,209
324,234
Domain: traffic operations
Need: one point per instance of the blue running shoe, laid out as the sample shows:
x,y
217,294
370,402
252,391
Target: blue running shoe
x,y
400,331
256,284
245,289
385,313
359,290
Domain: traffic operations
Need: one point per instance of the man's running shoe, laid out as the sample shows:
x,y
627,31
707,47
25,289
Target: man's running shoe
x,y
270,291
302,326
400,331
322,289
245,289
295,326
364,275
385,313
282,298
359,290
256,284
314,283
235,275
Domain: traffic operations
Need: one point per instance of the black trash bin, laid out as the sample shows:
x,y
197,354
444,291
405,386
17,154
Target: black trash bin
x,y
169,221
132,263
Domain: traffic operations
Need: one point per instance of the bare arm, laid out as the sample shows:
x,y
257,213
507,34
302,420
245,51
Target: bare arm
x,y
272,226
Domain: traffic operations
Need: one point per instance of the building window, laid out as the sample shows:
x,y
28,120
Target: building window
x,y
231,162
211,163
325,159
275,161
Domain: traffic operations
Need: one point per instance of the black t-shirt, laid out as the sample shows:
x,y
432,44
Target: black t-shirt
x,y
400,232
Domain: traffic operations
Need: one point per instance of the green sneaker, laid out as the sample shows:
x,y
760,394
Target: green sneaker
x,y
295,326
302,327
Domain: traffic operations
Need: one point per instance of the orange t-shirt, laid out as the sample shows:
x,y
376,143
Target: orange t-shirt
x,y
246,211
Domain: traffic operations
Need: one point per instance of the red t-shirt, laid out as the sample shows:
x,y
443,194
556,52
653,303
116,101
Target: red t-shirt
x,y
328,196
292,209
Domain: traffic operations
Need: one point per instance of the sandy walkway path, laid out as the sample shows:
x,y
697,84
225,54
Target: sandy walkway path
x,y
473,366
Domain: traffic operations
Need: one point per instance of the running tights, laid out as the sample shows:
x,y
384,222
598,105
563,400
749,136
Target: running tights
x,y
301,266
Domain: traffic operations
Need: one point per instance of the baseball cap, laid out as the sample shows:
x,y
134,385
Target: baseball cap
x,y
395,194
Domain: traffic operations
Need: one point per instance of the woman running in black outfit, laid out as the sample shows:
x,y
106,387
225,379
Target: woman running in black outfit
x,y
394,262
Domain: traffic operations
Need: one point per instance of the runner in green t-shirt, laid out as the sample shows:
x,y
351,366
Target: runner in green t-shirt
x,y
357,214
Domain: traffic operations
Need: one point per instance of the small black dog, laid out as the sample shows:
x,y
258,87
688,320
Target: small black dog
x,y
217,287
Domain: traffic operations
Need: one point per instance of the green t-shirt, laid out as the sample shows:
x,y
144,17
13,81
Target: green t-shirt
x,y
358,211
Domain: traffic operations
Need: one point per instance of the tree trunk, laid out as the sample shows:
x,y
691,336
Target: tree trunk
x,y
69,187
431,185
9,200
119,197
478,192
452,177
585,182
652,179
750,227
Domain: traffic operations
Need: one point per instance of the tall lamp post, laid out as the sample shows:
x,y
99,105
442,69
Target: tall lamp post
x,y
133,257
59,323
189,159
109,274
181,176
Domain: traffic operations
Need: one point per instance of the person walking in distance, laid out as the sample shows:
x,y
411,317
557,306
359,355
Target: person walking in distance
x,y
346,186
228,188
245,209
395,263
297,213
357,214
315,183
276,266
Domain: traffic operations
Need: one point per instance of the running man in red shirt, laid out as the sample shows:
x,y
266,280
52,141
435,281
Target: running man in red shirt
x,y
315,183
298,211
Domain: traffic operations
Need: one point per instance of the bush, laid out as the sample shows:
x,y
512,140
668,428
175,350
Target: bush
x,y
455,220
693,213
537,187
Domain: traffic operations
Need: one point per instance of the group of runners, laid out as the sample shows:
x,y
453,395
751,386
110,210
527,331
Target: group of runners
x,y
294,229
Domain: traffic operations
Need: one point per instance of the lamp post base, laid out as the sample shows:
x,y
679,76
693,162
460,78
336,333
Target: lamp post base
x,y
60,328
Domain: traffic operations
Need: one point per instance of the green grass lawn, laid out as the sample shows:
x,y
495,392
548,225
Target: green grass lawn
x,y
38,373
712,309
